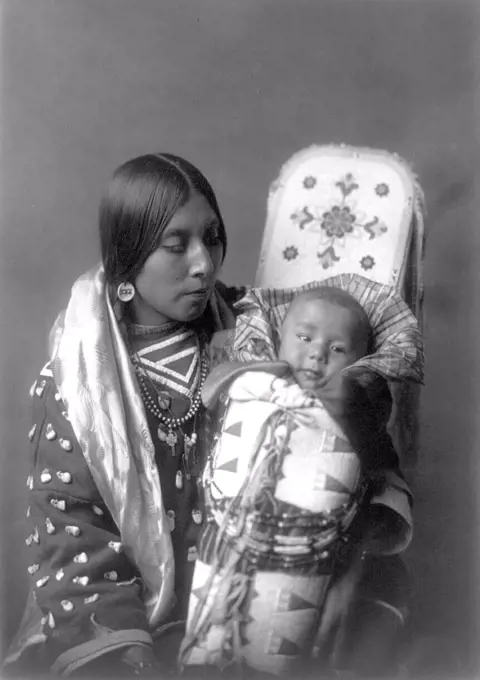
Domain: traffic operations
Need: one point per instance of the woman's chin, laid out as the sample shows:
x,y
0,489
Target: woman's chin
x,y
195,309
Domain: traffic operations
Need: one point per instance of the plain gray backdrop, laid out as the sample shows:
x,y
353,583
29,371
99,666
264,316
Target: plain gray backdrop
x,y
237,86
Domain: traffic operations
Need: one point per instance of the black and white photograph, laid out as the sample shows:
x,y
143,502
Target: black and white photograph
x,y
240,302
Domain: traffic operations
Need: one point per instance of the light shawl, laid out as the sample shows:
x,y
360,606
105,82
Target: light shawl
x,y
96,381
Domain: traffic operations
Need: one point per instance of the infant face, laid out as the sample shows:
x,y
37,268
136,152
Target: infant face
x,y
319,338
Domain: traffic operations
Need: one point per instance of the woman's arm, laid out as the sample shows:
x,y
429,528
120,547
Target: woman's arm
x,y
89,592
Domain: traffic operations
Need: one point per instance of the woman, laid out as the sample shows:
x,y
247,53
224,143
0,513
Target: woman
x,y
114,507
118,437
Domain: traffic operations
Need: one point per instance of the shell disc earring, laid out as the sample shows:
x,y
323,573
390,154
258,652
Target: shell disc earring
x,y
125,292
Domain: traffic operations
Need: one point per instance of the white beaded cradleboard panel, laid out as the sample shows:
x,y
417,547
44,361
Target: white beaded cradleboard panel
x,y
338,209
335,210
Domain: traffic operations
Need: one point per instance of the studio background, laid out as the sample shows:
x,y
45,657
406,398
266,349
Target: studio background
x,y
237,86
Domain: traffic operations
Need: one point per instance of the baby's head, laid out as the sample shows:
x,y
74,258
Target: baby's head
x,y
325,330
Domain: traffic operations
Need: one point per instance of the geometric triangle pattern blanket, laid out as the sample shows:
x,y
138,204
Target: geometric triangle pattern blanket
x,y
279,455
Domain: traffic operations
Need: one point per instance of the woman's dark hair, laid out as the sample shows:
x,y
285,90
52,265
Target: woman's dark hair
x,y
141,199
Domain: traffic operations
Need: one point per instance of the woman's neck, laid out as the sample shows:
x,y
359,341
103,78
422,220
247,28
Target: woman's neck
x,y
164,328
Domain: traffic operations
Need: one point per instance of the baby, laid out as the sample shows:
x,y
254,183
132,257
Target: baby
x,y
298,445
325,331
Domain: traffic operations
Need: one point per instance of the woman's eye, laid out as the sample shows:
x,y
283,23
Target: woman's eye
x,y
175,247
303,338
212,238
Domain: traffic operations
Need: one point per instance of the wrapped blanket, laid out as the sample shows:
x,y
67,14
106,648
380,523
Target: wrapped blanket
x,y
282,488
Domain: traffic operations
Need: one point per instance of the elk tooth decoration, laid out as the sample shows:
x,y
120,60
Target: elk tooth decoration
x,y
81,580
116,546
66,444
91,599
67,605
50,433
59,505
42,581
65,477
111,576
73,530
60,574
49,526
31,434
82,558
40,388
45,477
33,568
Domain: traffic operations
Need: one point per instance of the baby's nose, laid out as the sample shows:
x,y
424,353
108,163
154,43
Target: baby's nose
x,y
318,353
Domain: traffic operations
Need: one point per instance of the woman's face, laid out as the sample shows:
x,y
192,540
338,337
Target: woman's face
x,y
177,279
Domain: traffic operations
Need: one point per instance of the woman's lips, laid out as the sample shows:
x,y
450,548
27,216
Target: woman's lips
x,y
200,292
199,295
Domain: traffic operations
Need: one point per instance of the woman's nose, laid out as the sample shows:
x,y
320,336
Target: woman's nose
x,y
202,265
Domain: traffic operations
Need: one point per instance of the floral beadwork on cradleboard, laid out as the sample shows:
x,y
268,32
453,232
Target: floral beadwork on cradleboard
x,y
338,209
338,222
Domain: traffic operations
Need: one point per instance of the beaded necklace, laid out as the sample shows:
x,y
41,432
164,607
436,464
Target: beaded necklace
x,y
159,405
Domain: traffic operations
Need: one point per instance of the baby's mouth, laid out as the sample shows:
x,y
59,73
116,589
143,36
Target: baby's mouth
x,y
311,378
310,374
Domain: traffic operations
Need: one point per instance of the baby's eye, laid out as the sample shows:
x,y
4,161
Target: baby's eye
x,y
338,350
